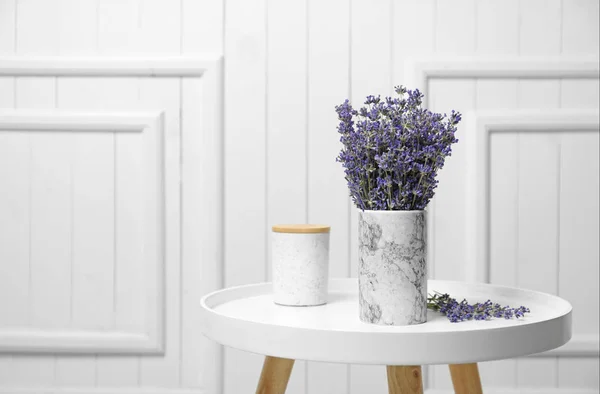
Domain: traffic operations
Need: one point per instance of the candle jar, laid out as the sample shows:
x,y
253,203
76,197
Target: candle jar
x,y
300,261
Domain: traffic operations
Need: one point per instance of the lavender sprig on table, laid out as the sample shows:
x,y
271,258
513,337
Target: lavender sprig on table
x,y
461,311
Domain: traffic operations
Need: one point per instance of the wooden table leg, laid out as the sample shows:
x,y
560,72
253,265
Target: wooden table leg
x,y
465,378
404,379
275,375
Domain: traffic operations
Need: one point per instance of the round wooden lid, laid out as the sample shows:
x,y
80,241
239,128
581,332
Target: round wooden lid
x,y
301,228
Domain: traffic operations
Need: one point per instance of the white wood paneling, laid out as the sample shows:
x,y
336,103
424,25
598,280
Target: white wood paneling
x,y
579,93
5,367
287,67
368,379
480,125
367,389
328,86
179,66
7,87
578,374
286,139
164,371
575,70
59,313
245,166
76,16
529,126
203,155
202,26
74,371
578,225
7,100
420,71
124,371
503,238
245,119
448,38
540,32
99,95
34,93
33,371
159,27
369,56
497,27
208,226
327,193
578,252
151,28
370,73
446,244
415,16
423,68
381,36
537,248
539,93
36,27
496,94
56,121
118,26
522,390
14,231
99,390
580,27
7,26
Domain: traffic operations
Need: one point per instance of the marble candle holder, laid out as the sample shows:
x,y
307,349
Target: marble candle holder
x,y
300,258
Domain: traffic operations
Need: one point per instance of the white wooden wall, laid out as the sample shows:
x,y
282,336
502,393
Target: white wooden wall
x,y
289,63
110,195
524,72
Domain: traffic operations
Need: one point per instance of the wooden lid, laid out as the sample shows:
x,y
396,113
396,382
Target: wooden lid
x,y
301,228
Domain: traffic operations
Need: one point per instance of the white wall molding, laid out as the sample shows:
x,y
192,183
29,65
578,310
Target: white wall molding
x,y
506,390
578,346
177,66
528,390
68,340
29,120
116,390
419,70
202,207
78,341
479,126
201,179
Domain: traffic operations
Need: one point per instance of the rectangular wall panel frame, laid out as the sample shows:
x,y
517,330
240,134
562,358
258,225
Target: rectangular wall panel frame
x,y
418,72
151,340
479,126
201,165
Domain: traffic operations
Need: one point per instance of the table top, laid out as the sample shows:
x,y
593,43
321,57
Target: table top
x,y
246,318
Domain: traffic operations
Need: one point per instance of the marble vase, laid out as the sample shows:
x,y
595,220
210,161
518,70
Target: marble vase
x,y
392,267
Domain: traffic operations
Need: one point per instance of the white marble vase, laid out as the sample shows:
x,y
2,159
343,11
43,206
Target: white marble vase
x,y
392,267
300,257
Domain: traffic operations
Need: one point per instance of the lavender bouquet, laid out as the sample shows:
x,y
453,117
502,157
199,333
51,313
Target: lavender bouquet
x,y
392,150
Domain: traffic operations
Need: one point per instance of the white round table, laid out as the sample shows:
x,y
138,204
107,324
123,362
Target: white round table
x,y
246,318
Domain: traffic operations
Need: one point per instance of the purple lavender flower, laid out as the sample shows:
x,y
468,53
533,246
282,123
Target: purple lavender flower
x,y
392,150
461,311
